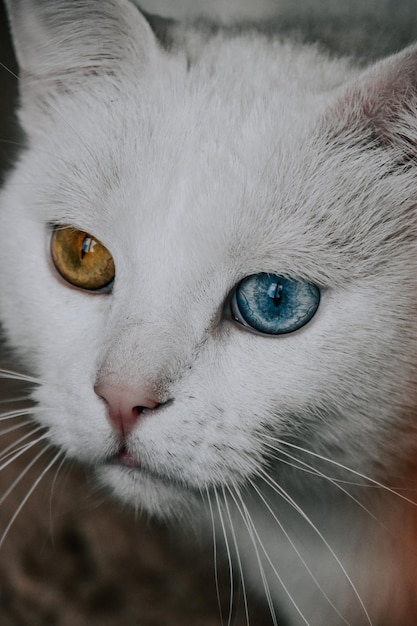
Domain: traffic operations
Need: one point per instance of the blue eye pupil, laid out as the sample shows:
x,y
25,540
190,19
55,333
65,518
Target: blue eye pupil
x,y
274,305
275,292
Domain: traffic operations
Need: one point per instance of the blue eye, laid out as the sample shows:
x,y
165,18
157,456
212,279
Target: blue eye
x,y
274,305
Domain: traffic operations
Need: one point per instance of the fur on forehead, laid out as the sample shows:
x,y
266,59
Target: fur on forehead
x,y
326,184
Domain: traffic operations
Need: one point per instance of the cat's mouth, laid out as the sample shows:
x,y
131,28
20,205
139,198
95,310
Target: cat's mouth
x,y
126,459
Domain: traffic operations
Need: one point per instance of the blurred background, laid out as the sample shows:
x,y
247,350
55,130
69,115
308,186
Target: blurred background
x,y
71,558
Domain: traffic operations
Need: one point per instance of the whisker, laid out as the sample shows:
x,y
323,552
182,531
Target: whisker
x,y
303,466
9,71
23,472
17,413
79,136
337,484
10,429
21,144
12,447
13,457
309,469
344,467
247,520
11,375
53,485
229,558
296,550
29,493
279,578
23,398
216,569
239,562
312,471
17,452
281,491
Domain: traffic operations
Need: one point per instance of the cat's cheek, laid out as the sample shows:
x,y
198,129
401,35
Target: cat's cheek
x,y
75,421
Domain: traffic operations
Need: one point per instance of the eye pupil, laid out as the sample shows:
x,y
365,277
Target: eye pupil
x,y
275,292
87,246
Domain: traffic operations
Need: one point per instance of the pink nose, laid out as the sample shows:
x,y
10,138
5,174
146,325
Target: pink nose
x,y
124,405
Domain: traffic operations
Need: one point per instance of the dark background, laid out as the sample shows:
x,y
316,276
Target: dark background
x,y
71,558
8,96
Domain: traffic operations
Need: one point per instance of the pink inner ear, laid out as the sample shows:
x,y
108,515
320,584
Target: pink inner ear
x,y
393,90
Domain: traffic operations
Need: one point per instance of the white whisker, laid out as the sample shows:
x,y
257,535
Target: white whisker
x,y
91,152
11,429
14,455
10,375
229,558
29,493
24,398
338,484
303,466
312,471
12,447
268,558
16,413
22,145
18,452
296,550
281,491
216,569
53,485
374,482
247,520
239,562
9,71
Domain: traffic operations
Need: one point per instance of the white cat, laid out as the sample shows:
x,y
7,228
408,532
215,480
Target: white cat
x,y
208,260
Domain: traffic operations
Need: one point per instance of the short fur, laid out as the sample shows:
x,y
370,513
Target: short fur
x,y
198,163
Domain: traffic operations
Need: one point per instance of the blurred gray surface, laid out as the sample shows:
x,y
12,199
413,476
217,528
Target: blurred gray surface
x,y
8,97
365,28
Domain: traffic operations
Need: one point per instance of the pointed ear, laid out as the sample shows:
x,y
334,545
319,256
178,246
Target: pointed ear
x,y
383,103
65,40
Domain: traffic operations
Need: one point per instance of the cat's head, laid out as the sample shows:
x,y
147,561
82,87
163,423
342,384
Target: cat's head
x,y
155,180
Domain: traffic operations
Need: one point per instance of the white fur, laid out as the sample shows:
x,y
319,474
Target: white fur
x,y
195,168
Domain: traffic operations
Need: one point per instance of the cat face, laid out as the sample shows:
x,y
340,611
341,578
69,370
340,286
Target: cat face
x,y
196,168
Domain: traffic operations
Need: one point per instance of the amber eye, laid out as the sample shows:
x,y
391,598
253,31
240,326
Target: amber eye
x,y
82,260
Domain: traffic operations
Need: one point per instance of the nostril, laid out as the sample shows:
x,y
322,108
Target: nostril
x,y
123,410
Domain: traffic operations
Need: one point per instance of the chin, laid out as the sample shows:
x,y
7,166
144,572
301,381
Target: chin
x,y
145,492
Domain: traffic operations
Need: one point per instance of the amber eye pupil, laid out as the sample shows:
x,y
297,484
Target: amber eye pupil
x,y
81,259
88,246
